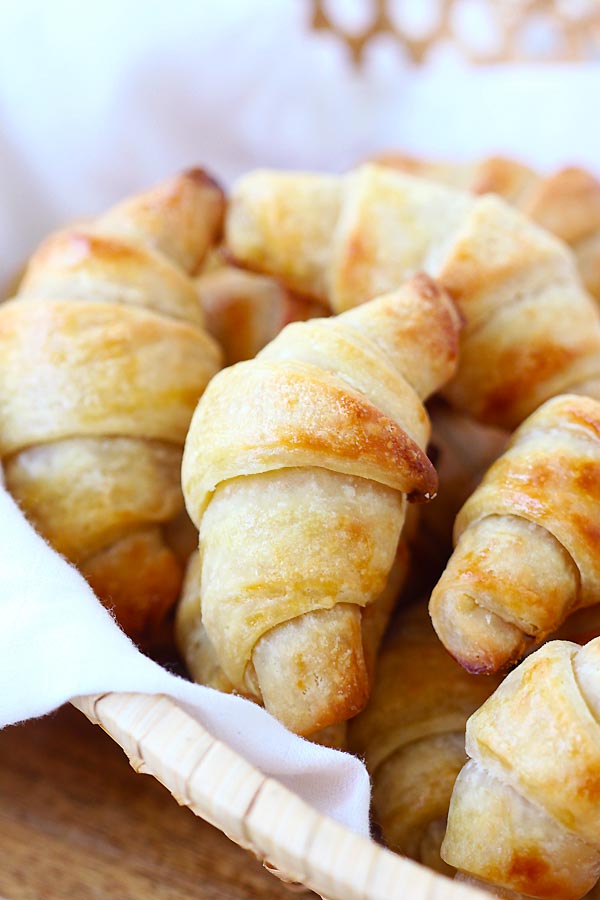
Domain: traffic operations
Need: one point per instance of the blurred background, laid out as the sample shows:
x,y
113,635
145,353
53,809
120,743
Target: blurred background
x,y
99,99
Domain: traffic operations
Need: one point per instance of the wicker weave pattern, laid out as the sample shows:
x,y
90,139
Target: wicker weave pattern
x,y
257,812
546,30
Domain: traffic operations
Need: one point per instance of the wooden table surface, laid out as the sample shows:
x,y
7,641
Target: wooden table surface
x,y
77,822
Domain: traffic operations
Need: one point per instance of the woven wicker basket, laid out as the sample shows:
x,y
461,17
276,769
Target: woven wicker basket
x,y
289,837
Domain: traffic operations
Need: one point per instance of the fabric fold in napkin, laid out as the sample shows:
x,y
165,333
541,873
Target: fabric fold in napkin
x,y
57,642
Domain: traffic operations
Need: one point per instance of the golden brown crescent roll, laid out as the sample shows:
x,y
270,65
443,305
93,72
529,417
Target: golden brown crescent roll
x,y
296,471
566,203
524,813
411,735
531,331
103,357
508,178
526,551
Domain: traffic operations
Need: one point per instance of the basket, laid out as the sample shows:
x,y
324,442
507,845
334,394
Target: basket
x,y
291,839
488,31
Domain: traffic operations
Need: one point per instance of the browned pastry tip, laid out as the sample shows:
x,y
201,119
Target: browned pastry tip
x,y
181,217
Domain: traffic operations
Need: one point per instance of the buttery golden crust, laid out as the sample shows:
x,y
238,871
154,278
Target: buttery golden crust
x,y
319,420
85,493
328,441
411,734
524,812
80,265
139,578
530,330
527,540
262,225
566,203
103,358
100,369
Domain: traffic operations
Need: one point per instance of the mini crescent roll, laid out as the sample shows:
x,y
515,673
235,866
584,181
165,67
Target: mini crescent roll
x,y
531,331
296,471
526,553
411,735
103,357
566,203
525,815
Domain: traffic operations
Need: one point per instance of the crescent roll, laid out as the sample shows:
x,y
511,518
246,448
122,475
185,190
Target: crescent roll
x,y
524,814
526,553
103,357
296,471
411,735
567,203
531,331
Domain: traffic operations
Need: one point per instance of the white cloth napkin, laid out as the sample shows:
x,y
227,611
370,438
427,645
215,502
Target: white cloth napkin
x,y
57,642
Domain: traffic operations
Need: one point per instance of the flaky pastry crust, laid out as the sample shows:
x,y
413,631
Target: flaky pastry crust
x,y
103,358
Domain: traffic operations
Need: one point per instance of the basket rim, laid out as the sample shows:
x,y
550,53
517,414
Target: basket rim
x,y
203,773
